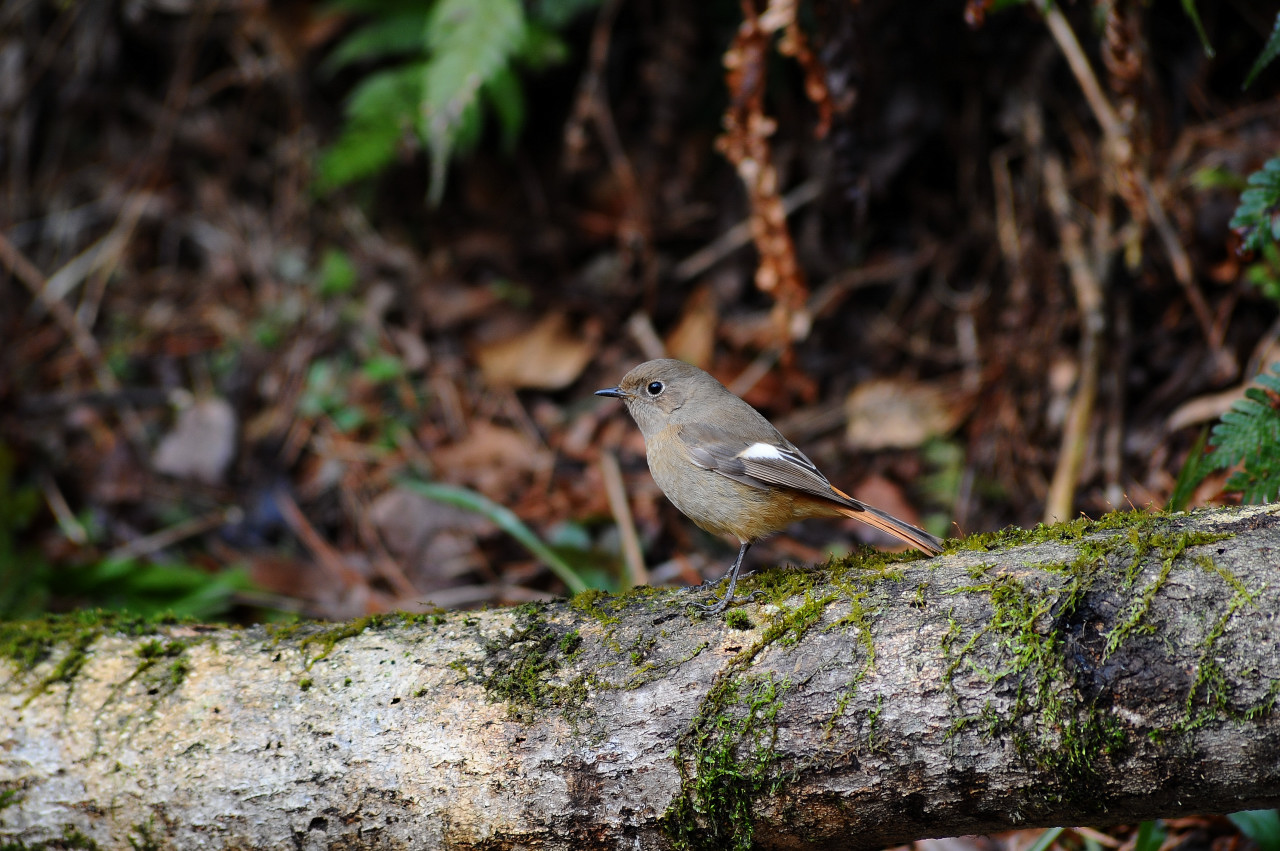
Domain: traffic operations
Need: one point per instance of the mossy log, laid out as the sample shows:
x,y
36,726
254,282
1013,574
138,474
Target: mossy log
x,y
1087,673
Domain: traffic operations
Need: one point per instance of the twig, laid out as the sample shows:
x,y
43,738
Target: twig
x,y
616,491
1007,233
634,232
329,558
1089,297
1117,146
640,326
740,234
67,520
148,544
1062,33
32,278
840,285
755,371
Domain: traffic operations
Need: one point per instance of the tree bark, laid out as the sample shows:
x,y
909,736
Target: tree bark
x,y
1088,673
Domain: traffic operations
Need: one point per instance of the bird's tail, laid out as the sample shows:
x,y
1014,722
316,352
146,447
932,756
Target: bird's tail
x,y
918,538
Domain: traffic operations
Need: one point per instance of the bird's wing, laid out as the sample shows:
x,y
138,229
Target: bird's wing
x,y
766,464
761,464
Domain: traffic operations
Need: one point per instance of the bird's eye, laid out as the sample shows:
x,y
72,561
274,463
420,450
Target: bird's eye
x,y
655,388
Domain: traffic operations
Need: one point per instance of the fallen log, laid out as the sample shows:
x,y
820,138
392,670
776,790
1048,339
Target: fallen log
x,y
1086,673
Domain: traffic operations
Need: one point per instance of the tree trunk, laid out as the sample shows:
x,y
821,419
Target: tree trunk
x,y
1088,673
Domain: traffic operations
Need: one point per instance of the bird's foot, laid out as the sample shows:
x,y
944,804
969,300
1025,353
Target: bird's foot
x,y
725,602
711,583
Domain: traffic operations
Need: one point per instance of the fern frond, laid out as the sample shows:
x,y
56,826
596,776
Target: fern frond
x,y
394,35
471,42
1257,218
1249,434
377,121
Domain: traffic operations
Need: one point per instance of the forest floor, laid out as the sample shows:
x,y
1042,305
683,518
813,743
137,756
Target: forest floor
x,y
997,298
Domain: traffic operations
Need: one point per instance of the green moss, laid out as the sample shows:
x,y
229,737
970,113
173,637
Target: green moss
x,y
178,670
521,667
727,757
279,632
598,605
305,683
1051,724
71,838
143,837
869,566
1266,706
28,643
1071,531
859,620
161,679
327,639
1169,547
570,642
875,744
732,747
737,619
788,630
641,647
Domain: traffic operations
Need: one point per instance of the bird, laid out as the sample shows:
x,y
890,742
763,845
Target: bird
x,y
728,469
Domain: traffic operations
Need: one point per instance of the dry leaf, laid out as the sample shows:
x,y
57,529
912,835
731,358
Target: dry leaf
x,y
694,336
492,459
548,356
447,304
435,542
892,414
202,443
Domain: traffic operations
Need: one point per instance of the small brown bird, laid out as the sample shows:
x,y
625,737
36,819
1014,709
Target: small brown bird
x,y
727,468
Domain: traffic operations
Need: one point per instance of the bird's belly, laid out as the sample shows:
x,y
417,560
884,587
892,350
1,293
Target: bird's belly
x,y
719,504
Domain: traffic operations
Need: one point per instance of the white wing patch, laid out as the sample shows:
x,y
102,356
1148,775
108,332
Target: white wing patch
x,y
762,452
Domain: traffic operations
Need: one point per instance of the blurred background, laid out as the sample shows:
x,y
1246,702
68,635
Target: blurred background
x,y
302,305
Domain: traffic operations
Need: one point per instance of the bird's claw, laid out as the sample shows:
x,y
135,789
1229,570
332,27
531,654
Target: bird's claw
x,y
725,602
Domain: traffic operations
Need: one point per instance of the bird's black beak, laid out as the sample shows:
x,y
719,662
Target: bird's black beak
x,y
615,392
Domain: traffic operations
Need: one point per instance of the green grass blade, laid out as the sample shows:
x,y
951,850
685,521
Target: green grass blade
x,y
1046,839
1151,836
505,519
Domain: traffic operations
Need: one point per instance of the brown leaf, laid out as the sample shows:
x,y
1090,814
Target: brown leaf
x,y
202,443
548,356
434,541
895,414
694,336
492,459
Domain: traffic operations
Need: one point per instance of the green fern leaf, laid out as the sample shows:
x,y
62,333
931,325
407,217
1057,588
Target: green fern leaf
x,y
377,120
558,14
506,96
1257,218
395,35
471,41
1249,435
1270,381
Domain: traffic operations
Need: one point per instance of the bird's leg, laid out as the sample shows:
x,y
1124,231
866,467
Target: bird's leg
x,y
724,602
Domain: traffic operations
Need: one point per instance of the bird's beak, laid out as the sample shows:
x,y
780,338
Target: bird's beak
x,y
615,392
